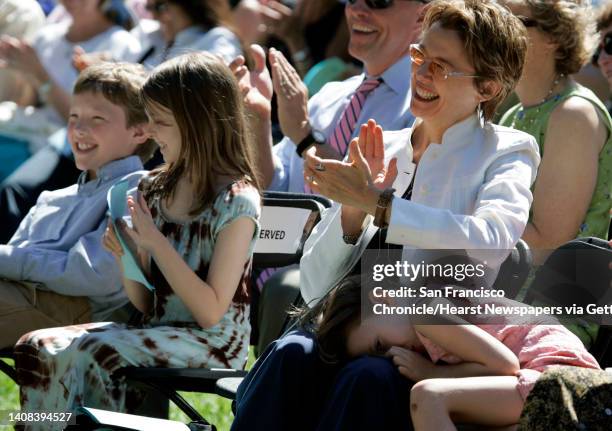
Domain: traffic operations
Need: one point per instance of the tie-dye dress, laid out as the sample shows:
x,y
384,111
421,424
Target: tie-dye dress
x,y
60,369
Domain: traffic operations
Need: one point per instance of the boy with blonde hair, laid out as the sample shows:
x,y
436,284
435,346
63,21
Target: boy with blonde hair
x,y
54,271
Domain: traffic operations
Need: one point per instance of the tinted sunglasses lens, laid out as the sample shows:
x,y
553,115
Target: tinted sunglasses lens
x,y
416,55
607,44
379,4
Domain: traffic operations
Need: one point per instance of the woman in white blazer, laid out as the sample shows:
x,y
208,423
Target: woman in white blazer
x,y
471,191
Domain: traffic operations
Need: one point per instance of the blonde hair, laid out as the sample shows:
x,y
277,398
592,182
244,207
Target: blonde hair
x,y
120,84
571,25
202,94
494,39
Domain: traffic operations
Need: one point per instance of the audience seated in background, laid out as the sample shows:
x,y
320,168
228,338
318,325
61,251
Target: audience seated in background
x,y
195,222
47,63
452,181
185,26
20,19
572,126
54,270
312,30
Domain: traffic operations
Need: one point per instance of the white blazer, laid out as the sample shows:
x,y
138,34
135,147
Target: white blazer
x,y
471,192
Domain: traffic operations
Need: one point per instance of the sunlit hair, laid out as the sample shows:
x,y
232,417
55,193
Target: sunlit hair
x,y
120,84
571,25
494,39
200,91
604,16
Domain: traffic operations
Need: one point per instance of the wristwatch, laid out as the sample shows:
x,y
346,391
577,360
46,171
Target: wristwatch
x,y
315,137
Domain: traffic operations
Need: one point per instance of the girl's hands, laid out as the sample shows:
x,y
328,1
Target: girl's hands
x,y
144,233
411,364
110,242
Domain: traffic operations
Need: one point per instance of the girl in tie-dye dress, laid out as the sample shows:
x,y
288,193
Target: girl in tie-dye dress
x,y
194,226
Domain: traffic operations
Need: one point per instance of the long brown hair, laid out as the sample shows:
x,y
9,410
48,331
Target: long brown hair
x,y
202,94
333,317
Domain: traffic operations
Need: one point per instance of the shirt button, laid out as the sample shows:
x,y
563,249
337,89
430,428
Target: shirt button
x,y
608,411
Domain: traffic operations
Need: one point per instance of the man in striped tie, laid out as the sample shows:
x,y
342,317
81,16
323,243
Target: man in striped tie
x,y
380,35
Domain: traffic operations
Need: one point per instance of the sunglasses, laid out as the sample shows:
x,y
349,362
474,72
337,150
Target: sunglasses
x,y
606,45
159,6
382,4
528,22
435,68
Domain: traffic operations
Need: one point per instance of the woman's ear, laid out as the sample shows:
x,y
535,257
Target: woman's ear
x,y
488,90
141,133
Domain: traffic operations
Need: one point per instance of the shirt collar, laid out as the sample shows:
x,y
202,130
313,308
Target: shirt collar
x,y
111,171
397,77
462,132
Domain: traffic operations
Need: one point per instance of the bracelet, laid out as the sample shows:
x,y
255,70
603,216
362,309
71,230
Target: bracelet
x,y
351,239
384,201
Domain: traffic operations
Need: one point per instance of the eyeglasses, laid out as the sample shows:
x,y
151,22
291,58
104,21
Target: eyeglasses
x,y
159,6
528,22
382,4
606,45
435,68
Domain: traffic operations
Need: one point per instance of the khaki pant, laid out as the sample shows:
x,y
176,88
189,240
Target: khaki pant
x,y
24,307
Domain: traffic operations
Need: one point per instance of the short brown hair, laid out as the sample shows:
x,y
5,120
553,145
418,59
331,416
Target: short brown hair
x,y
571,25
120,84
202,94
604,16
494,39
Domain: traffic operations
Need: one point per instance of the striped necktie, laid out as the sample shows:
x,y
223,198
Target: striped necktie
x,y
339,140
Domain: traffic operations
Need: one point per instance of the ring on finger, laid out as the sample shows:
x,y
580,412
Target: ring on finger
x,y
309,178
319,167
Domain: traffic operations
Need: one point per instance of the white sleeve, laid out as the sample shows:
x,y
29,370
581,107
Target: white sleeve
x,y
501,212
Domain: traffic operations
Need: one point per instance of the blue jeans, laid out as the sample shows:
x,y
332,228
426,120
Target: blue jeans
x,y
290,388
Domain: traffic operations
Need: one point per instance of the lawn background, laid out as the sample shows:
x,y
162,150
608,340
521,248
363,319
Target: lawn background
x,y
215,409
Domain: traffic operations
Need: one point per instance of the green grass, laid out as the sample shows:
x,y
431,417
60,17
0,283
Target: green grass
x,y
215,409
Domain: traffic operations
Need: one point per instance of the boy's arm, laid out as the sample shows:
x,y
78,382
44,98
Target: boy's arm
x,y
86,269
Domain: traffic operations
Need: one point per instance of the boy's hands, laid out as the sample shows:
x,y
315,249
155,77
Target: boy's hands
x,y
144,233
411,364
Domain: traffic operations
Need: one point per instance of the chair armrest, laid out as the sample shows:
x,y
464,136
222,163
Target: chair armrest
x,y
179,379
227,387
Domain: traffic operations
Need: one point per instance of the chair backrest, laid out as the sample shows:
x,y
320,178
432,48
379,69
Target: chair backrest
x,y
578,273
575,273
514,270
286,222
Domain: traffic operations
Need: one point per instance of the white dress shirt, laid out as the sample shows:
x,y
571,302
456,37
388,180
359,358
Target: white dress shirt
x,y
388,104
471,192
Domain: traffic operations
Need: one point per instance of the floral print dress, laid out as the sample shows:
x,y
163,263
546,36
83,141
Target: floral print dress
x,y
60,369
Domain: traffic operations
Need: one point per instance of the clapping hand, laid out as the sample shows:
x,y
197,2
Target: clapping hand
x,y
291,96
144,232
255,85
348,182
20,55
